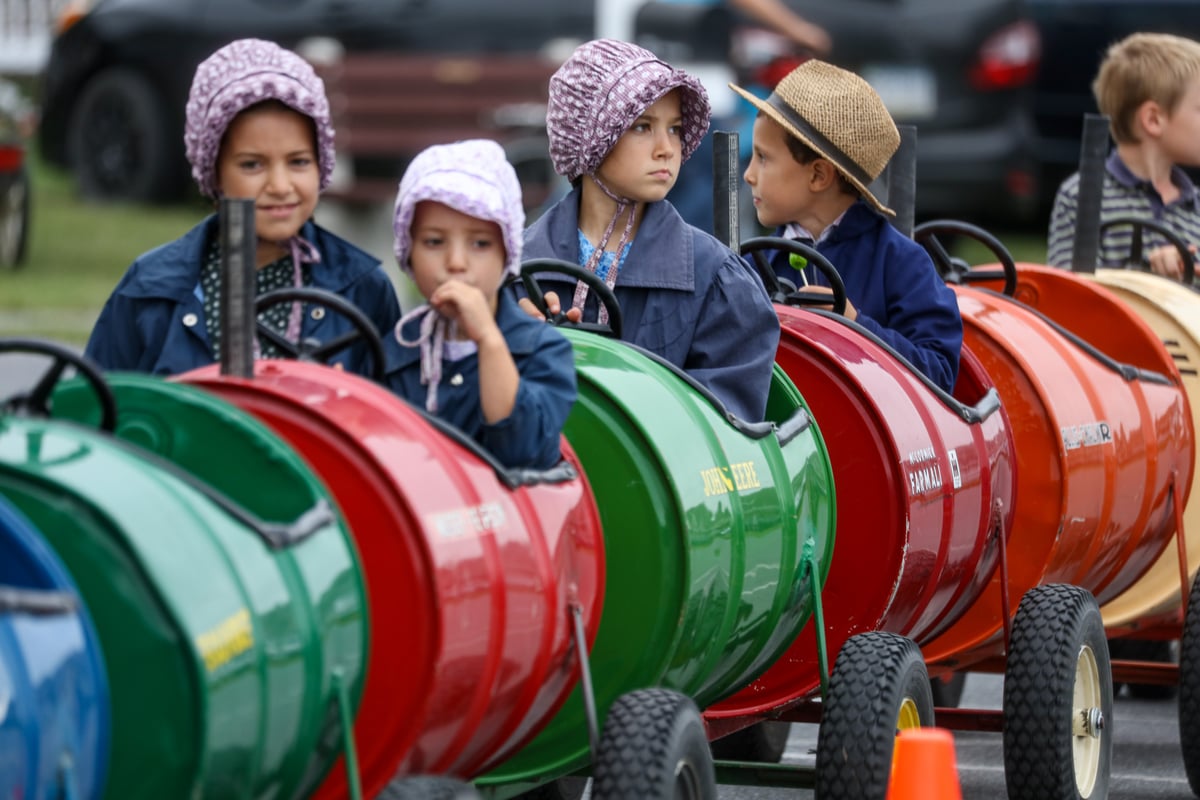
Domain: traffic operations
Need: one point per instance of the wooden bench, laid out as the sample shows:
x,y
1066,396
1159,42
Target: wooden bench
x,y
387,107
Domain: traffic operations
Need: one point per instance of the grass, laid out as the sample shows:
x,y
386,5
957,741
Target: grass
x,y
78,250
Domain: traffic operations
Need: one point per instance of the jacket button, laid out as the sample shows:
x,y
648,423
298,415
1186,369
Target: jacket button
x,y
190,320
456,380
318,313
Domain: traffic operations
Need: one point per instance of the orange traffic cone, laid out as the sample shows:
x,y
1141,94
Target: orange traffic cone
x,y
923,766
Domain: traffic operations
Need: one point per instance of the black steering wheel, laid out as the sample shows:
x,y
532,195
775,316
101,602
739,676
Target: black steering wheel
x,y
607,298
956,270
1137,258
321,352
36,402
783,291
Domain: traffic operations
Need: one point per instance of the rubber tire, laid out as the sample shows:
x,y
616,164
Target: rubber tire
x,y
650,737
763,743
948,689
121,143
428,787
1158,651
1051,626
1189,689
12,251
875,673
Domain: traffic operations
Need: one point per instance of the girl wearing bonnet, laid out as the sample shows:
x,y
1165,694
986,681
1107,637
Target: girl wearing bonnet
x,y
257,127
470,355
620,123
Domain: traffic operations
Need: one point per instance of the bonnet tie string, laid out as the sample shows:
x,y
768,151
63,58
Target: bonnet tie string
x,y
581,289
303,251
434,331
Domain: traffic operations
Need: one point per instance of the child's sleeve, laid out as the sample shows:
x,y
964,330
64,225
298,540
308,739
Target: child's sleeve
x,y
924,324
1060,242
116,342
529,436
737,333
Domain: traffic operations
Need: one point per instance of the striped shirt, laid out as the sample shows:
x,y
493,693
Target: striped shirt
x,y
1125,195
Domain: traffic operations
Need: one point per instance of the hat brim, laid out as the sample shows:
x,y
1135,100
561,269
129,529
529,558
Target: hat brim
x,y
774,114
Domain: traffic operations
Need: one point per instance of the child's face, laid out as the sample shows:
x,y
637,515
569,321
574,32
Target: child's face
x,y
1180,136
778,181
447,244
644,163
269,154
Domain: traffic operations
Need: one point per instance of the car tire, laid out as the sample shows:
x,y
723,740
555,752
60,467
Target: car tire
x,y
121,143
14,220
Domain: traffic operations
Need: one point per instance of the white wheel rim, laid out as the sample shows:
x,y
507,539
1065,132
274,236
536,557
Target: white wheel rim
x,y
1087,722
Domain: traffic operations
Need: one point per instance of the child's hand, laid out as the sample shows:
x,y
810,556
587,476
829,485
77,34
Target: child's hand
x,y
553,304
466,305
1167,262
851,313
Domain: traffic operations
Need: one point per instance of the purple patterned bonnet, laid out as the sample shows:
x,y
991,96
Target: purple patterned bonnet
x,y
474,178
600,90
236,77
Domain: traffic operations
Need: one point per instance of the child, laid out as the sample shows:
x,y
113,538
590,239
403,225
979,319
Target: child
x,y
820,139
258,127
511,379
1149,87
620,123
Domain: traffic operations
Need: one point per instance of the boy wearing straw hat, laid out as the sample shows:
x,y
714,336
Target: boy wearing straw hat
x,y
620,123
820,139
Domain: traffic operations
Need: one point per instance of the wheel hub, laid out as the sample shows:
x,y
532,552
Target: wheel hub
x,y
1088,723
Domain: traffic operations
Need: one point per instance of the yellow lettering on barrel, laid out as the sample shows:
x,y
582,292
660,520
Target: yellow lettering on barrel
x,y
229,639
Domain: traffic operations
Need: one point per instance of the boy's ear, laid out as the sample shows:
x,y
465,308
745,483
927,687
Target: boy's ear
x,y
1151,117
824,174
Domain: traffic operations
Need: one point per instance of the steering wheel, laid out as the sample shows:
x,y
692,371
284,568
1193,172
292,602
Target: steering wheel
x,y
557,266
956,270
783,291
36,402
1137,259
313,350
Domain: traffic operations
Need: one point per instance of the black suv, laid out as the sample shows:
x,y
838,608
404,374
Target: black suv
x,y
115,87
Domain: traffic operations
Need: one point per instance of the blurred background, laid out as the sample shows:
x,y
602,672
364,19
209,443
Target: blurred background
x,y
92,93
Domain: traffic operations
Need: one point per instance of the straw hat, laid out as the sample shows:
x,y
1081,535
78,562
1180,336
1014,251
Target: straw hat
x,y
837,114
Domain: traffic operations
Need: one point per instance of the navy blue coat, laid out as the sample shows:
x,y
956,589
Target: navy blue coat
x,y
684,296
529,436
893,284
154,320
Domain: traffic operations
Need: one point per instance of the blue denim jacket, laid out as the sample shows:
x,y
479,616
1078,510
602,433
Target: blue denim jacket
x,y
893,284
529,436
154,320
684,296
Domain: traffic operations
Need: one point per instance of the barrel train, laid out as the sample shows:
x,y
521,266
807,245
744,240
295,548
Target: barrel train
x,y
289,583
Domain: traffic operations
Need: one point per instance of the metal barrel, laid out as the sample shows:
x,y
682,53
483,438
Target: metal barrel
x,y
469,570
1101,427
54,721
919,479
230,646
705,527
1173,312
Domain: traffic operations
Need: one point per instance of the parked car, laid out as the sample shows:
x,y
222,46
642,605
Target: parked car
x,y
117,79
15,185
962,72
